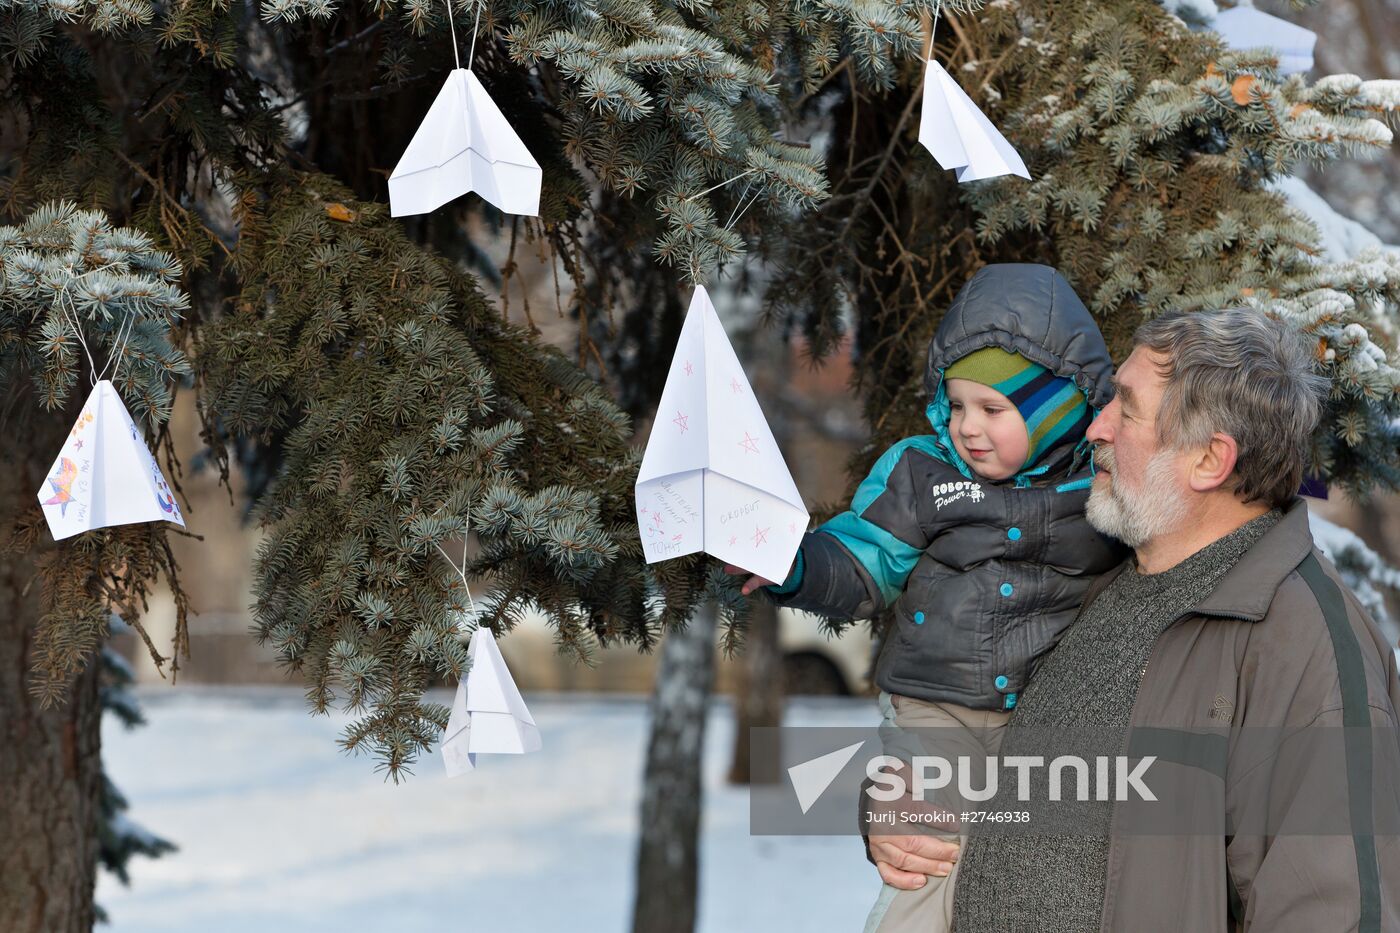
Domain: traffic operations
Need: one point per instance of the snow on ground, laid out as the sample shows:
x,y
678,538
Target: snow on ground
x,y
280,832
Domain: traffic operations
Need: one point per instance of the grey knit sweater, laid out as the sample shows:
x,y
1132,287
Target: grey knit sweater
x,y
1010,883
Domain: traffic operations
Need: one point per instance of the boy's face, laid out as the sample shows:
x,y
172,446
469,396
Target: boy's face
x,y
988,432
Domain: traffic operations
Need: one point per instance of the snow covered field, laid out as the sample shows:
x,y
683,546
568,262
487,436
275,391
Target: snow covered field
x,y
280,832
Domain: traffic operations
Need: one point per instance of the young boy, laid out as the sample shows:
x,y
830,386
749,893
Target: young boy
x,y
975,534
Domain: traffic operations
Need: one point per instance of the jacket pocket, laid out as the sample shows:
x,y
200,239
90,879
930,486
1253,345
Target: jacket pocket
x,y
943,643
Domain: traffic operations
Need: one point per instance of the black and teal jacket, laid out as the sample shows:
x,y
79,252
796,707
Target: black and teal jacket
x,y
983,576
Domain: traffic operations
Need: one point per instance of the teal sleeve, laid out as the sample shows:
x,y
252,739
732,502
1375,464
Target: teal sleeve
x,y
857,564
885,503
794,578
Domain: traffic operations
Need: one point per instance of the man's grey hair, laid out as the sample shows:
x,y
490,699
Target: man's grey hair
x,y
1243,373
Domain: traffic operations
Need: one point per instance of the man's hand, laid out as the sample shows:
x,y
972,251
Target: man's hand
x,y
905,862
752,583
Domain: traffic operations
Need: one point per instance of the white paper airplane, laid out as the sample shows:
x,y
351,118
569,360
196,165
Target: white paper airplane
x,y
712,478
488,713
1244,27
811,778
465,144
959,135
105,474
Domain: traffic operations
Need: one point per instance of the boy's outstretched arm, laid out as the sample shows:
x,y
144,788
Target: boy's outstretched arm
x,y
752,583
856,564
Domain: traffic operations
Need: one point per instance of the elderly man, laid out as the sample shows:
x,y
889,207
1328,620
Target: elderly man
x,y
1226,619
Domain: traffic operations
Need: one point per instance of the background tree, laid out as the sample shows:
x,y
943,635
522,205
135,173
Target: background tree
x,y
668,859
120,837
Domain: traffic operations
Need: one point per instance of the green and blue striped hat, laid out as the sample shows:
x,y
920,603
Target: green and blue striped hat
x,y
1053,408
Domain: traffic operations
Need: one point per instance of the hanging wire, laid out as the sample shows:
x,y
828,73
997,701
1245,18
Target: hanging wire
x,y
728,223
70,315
72,321
69,309
736,215
461,571
114,360
937,8
451,27
691,197
476,24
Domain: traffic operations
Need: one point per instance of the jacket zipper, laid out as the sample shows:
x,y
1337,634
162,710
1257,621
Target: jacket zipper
x,y
1172,624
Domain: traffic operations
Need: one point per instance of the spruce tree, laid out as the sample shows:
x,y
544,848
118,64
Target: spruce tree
x,y
348,363
1151,148
378,406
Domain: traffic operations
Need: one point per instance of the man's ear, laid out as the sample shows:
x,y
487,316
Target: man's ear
x,y
1214,464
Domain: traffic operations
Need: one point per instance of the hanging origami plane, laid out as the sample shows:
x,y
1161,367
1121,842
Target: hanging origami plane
x,y
465,144
488,713
1244,27
105,474
959,135
712,478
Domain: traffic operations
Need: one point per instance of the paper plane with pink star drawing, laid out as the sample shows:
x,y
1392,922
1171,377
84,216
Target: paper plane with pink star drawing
x,y
712,478
105,474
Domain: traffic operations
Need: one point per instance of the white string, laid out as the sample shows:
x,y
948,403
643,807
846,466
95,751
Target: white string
x,y
745,194
453,29
70,315
461,571
691,197
937,8
476,24
752,201
72,321
115,359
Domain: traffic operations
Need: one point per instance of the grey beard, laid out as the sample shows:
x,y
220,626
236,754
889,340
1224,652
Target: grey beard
x,y
1136,516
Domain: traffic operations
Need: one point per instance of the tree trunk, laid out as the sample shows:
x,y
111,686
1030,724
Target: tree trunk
x,y
51,770
668,863
50,759
758,700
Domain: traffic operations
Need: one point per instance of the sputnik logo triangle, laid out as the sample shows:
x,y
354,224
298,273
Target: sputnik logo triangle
x,y
811,778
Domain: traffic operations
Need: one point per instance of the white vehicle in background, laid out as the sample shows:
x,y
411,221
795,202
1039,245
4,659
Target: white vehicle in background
x,y
813,662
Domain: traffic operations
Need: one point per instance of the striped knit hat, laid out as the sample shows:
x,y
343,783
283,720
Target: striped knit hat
x,y
1053,407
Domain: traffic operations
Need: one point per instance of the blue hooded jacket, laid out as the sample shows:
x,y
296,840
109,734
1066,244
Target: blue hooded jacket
x,y
983,576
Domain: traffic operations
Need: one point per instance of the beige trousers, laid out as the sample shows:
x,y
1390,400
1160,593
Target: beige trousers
x,y
949,731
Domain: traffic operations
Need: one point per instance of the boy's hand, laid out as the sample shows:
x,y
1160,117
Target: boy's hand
x,y
752,583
